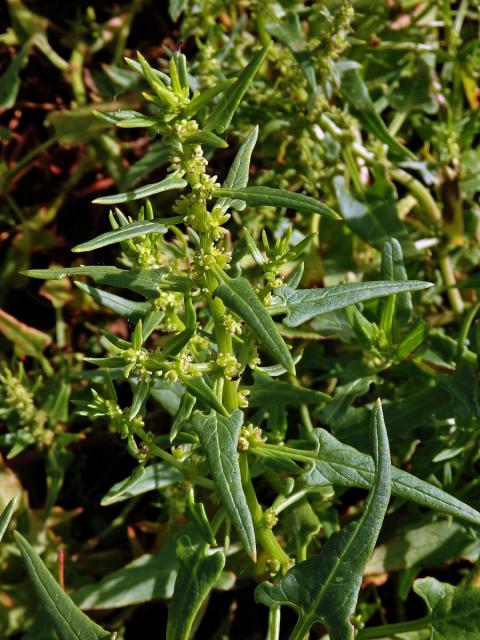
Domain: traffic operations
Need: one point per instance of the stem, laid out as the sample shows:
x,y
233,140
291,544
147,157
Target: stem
x,y
465,328
353,169
421,194
273,632
76,73
28,157
264,534
453,293
389,630
397,122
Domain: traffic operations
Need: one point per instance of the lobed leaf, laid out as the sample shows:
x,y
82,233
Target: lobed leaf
x,y
325,588
271,197
305,304
219,438
338,463
198,573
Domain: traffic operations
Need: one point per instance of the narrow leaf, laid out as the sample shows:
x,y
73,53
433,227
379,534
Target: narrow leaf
x,y
356,93
340,464
219,438
127,232
68,621
270,197
154,477
239,296
222,114
169,183
266,391
10,79
127,308
28,340
239,171
305,304
198,573
6,516
325,588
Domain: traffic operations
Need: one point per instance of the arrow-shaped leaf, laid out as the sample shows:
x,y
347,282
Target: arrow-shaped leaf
x,y
271,197
340,464
171,182
219,438
197,575
127,232
239,296
68,621
325,588
304,304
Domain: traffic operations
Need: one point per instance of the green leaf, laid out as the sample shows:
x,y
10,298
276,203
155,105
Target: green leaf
x,y
325,588
148,283
453,613
266,391
140,396
219,438
10,80
205,394
176,7
127,232
157,155
154,477
305,304
6,516
222,114
270,197
27,340
169,183
129,309
356,93
338,463
206,138
393,268
239,296
373,214
290,33
69,622
198,573
204,98
239,171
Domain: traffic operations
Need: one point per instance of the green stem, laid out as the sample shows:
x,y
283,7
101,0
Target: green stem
x,y
465,328
420,193
453,293
28,157
389,630
264,534
353,170
273,632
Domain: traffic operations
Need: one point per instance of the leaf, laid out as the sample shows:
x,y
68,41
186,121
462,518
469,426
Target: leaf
x,y
206,138
454,612
154,477
169,183
149,577
176,7
205,394
69,622
239,296
141,391
129,309
239,171
147,282
127,232
266,391
76,127
338,463
325,588
270,197
373,215
27,340
393,268
10,80
222,114
6,516
219,438
305,304
356,93
290,33
157,155
198,573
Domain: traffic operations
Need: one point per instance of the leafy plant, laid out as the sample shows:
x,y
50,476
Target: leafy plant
x,y
230,335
